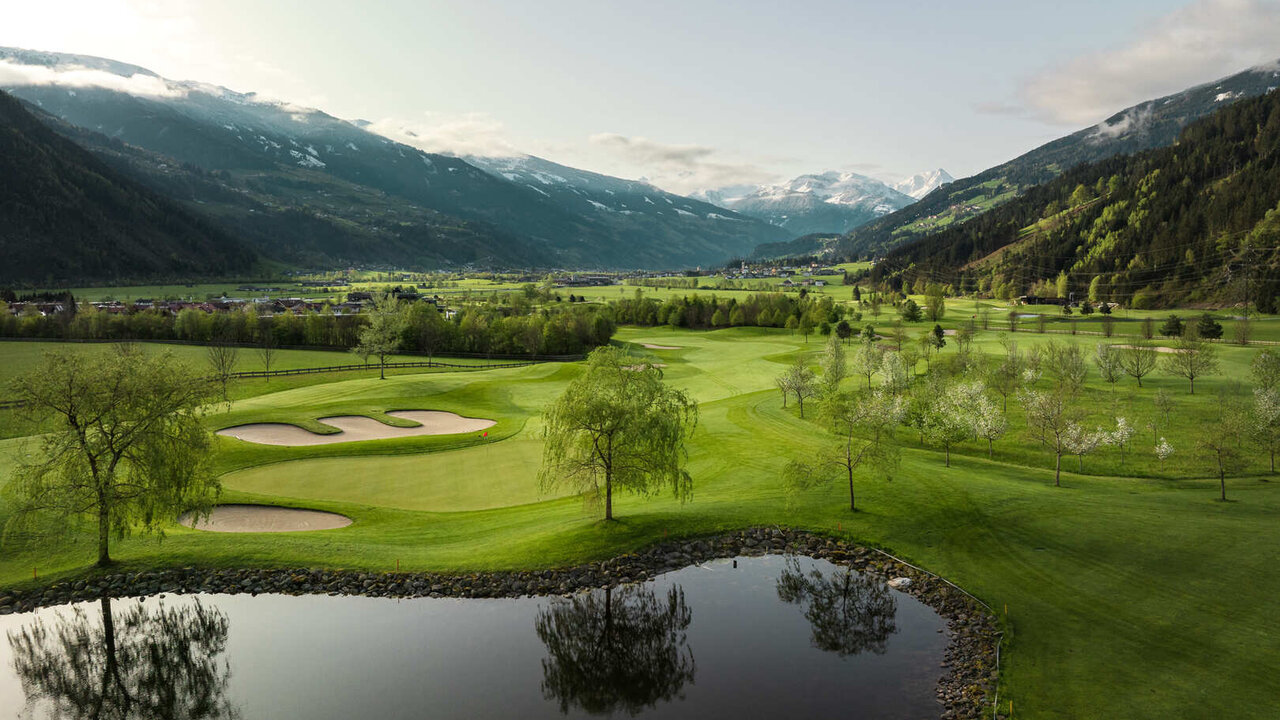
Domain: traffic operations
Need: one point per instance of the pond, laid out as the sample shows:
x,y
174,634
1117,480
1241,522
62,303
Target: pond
x,y
769,636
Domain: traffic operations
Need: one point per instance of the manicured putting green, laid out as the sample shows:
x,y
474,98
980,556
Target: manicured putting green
x,y
354,428
493,475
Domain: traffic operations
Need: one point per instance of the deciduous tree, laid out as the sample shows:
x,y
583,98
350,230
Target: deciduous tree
x,y
1050,416
1107,359
618,425
222,355
1138,361
1191,358
834,367
868,359
1219,441
849,613
1266,421
385,332
863,426
126,448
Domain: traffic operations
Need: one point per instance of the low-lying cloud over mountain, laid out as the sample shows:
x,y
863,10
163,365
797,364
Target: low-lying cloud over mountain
x,y
309,188
682,169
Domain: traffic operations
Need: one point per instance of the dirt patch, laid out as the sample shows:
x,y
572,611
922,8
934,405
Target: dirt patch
x,y
651,346
265,518
354,428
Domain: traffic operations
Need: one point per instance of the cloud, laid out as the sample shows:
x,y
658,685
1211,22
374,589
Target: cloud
x,y
1134,120
680,169
1200,42
449,133
17,75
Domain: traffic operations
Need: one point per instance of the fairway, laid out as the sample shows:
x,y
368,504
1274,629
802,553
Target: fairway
x,y
1115,584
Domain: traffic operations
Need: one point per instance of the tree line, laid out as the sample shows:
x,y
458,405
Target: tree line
x,y
482,328
800,311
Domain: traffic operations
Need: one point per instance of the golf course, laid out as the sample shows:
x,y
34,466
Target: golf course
x,y
1128,591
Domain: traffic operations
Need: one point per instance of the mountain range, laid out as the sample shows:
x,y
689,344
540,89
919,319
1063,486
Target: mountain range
x,y
828,202
241,180
306,188
1151,124
1197,221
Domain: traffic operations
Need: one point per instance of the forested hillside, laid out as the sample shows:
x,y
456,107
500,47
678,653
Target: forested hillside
x,y
1152,124
1195,222
65,216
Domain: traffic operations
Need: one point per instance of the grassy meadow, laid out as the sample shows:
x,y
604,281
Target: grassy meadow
x,y
1129,592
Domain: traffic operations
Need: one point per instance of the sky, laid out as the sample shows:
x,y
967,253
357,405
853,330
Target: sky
x,y
688,95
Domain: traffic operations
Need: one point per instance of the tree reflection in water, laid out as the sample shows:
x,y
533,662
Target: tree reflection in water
x,y
152,664
620,649
850,613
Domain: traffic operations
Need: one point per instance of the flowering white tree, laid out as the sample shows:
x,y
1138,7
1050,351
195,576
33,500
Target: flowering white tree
x,y
1121,436
1163,451
989,423
1266,421
946,418
1049,414
868,359
833,366
1107,359
896,372
1266,369
1081,442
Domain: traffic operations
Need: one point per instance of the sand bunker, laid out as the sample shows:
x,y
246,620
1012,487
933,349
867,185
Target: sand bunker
x,y
353,428
638,368
265,518
1156,348
651,346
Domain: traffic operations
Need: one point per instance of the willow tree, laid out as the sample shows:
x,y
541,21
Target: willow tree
x,y
143,662
622,650
125,448
618,426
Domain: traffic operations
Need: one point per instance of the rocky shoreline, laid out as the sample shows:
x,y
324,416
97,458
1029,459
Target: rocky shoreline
x,y
969,667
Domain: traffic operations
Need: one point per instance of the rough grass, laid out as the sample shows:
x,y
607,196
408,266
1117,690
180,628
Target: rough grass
x,y
1130,591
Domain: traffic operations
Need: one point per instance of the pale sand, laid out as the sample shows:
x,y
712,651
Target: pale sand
x,y
637,368
354,428
651,346
1157,349
264,518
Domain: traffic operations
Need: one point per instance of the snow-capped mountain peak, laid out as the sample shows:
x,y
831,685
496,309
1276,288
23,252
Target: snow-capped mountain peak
x,y
832,201
921,184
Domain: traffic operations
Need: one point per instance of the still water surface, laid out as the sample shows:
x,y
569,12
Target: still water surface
x,y
773,637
